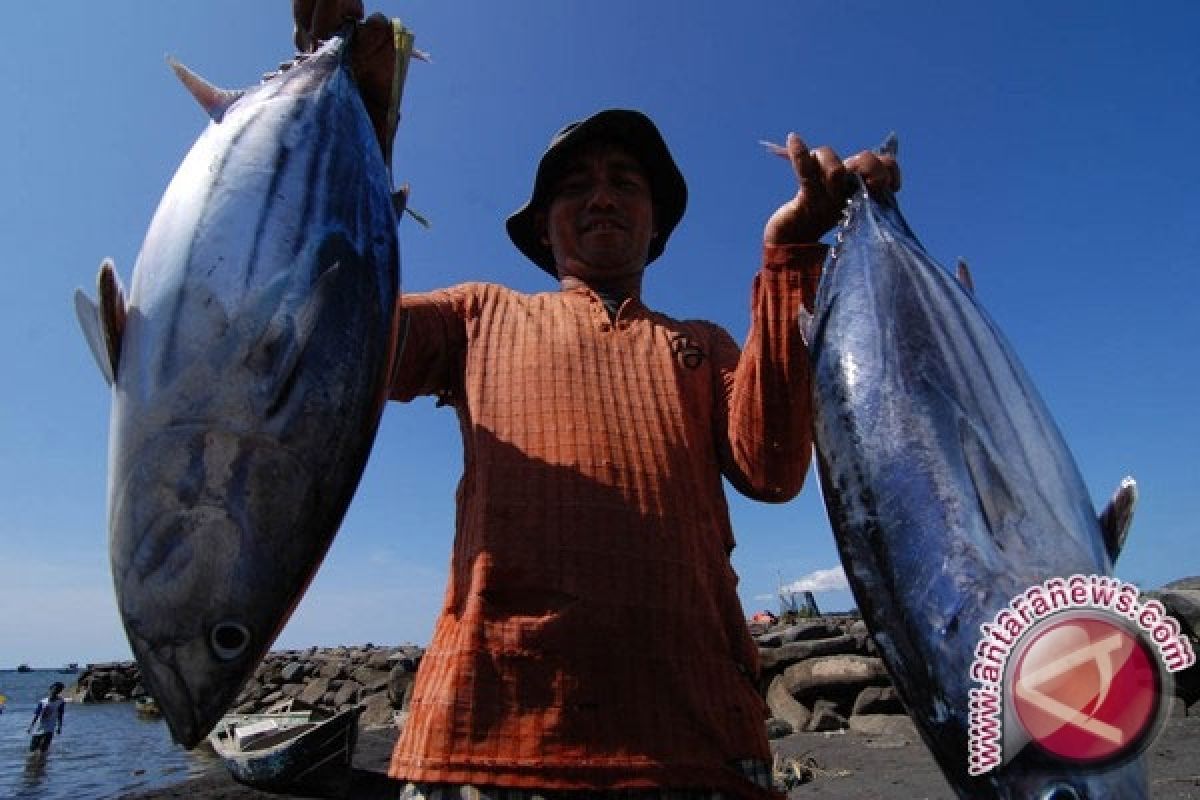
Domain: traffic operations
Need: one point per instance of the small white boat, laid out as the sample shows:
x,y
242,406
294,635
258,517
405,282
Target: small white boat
x,y
291,751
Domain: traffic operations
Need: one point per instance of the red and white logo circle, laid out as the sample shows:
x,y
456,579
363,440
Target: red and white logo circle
x,y
1086,688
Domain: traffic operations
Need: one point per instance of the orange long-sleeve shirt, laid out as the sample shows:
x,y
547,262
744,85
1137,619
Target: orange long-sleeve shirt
x,y
591,635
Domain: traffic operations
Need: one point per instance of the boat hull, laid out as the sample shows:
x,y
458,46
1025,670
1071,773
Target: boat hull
x,y
314,758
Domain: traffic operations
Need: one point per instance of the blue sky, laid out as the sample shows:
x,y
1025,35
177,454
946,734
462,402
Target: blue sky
x,y
1050,143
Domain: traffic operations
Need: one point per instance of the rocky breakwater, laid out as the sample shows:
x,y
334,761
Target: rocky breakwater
x,y
110,682
824,674
334,678
1181,599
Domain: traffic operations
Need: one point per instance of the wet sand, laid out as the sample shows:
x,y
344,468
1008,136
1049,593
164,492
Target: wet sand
x,y
847,765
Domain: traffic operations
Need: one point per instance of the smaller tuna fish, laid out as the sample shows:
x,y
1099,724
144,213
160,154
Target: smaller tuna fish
x,y
249,371
948,487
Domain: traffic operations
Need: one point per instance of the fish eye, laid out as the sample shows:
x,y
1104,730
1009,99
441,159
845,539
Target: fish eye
x,y
1059,791
229,640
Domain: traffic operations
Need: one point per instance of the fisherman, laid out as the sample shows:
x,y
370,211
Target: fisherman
x,y
47,719
591,638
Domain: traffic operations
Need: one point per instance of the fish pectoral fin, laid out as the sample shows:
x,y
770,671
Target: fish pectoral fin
x,y
276,354
88,314
998,497
805,320
111,296
1117,517
103,322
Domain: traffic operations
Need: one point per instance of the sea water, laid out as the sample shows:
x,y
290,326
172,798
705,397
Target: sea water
x,y
105,750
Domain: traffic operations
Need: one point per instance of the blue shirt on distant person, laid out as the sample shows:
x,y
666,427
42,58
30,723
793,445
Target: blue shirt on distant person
x,y
47,719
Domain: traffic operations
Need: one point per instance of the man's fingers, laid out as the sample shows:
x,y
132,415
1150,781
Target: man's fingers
x,y
318,20
302,13
804,163
894,169
330,15
831,172
879,172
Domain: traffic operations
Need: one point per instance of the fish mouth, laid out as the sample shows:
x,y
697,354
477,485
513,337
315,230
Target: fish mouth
x,y
180,678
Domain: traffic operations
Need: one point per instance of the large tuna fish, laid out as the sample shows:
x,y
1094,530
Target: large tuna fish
x,y
249,373
947,484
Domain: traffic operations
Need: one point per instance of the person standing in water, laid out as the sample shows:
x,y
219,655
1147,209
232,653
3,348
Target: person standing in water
x,y
47,719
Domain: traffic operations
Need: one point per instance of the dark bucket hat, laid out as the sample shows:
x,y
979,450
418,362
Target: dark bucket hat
x,y
634,131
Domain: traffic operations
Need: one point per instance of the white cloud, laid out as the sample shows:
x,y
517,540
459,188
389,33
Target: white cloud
x,y
823,580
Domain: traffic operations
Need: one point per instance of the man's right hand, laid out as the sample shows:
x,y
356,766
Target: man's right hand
x,y
824,189
372,52
317,20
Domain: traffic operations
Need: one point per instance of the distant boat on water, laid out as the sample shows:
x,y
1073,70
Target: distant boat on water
x,y
24,668
71,668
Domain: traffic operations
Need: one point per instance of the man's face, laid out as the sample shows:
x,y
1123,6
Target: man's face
x,y
600,219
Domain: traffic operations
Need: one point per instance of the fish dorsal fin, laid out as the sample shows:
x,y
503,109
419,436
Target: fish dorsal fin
x,y
1117,517
215,101
103,322
963,275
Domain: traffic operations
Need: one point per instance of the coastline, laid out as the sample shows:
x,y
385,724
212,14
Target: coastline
x,y
847,765
834,717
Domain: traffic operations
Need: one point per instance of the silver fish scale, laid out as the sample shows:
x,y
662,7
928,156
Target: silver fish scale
x,y
947,483
251,381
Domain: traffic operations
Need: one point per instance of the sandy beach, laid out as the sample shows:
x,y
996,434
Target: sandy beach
x,y
847,765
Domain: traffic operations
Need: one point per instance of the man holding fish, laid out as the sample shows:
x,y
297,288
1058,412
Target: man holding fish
x,y
591,637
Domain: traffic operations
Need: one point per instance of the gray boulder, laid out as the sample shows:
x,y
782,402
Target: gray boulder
x,y
348,694
314,690
778,728
826,719
837,674
878,700
787,654
378,712
785,707
293,672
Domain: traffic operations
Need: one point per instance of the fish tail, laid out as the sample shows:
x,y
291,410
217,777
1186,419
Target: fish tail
x,y
403,38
